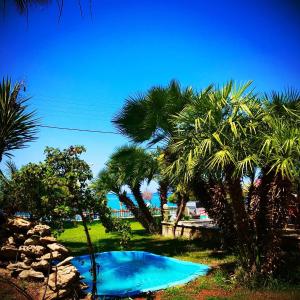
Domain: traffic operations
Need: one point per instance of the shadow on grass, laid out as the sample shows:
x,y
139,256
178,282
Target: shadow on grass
x,y
154,244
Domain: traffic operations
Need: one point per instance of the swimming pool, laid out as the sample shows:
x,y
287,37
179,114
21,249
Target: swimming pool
x,y
129,273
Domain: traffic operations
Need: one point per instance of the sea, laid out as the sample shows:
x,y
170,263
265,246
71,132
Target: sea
x,y
114,203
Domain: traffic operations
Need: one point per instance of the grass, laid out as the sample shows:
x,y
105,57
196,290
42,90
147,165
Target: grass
x,y
216,286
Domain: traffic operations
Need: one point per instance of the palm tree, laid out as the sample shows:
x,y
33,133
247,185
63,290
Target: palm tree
x,y
130,166
147,118
18,126
226,135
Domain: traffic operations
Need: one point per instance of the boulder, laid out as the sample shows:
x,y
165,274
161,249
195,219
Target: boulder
x,y
65,261
58,247
19,224
41,265
9,252
32,275
41,229
32,250
55,255
47,240
64,277
31,241
18,266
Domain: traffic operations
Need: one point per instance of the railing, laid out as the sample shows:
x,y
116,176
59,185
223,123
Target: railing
x,y
126,213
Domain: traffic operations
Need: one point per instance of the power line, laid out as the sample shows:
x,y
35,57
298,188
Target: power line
x,y
79,129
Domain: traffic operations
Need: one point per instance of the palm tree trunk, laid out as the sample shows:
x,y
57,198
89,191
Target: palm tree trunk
x,y
134,210
241,220
144,209
92,255
163,195
180,210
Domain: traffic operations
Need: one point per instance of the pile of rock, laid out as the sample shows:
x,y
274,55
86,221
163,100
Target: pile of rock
x,y
28,250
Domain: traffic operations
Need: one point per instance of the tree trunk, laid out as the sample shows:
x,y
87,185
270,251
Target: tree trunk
x,y
180,210
134,210
214,200
163,195
92,255
144,209
241,221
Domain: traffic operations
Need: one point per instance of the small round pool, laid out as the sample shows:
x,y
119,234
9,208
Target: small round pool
x,y
129,273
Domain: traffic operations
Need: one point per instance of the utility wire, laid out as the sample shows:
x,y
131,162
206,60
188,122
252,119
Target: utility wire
x,y
79,129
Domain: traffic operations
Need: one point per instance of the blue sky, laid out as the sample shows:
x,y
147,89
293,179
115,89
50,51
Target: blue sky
x,y
80,70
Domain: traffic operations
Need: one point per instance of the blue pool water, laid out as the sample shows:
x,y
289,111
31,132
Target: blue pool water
x,y
129,273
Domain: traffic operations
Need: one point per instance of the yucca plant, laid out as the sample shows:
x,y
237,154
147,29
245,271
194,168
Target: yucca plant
x,y
18,126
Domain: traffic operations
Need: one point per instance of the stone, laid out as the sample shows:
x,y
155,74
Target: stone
x,y
41,229
58,247
31,241
30,232
65,261
26,260
32,275
41,265
32,250
9,252
47,240
11,241
19,238
55,255
19,224
64,277
18,266
60,294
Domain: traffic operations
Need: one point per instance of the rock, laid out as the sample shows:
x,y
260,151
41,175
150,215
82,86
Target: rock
x,y
26,260
11,241
42,230
41,265
9,252
30,232
60,294
18,266
31,241
48,240
19,224
32,250
64,277
19,238
65,261
32,275
55,255
58,247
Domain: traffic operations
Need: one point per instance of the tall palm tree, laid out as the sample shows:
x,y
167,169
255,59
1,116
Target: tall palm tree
x,y
18,125
147,118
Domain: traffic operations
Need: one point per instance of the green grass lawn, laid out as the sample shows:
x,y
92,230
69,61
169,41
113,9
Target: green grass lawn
x,y
217,285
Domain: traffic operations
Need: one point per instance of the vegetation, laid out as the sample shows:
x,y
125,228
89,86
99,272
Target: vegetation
x,y
221,282
130,166
18,126
214,140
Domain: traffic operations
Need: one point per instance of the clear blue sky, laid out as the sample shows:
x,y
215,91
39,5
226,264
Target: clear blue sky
x,y
79,70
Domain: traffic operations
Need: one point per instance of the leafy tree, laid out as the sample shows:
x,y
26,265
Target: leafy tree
x,y
59,188
18,126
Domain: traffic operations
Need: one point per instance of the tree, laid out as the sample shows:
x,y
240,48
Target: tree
x,y
225,136
18,126
59,188
131,166
147,118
